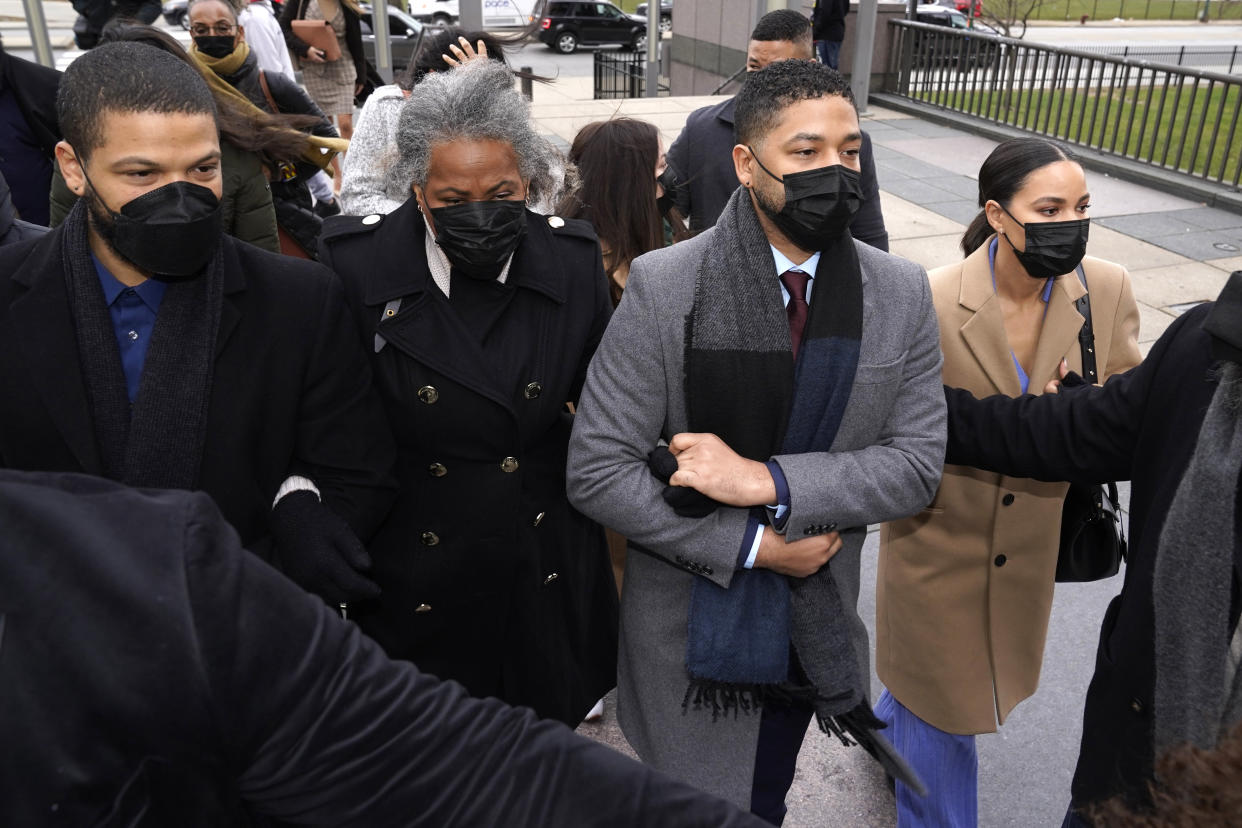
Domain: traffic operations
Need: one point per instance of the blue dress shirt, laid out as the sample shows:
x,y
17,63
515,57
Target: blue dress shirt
x,y
133,311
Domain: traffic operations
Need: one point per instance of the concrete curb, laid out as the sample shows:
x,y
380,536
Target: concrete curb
x,y
1168,181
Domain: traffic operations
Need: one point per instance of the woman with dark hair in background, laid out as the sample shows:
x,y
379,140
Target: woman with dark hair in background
x,y
220,47
368,184
621,177
964,588
249,140
621,191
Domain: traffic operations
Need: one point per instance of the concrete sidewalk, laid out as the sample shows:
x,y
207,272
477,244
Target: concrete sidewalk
x,y
1178,252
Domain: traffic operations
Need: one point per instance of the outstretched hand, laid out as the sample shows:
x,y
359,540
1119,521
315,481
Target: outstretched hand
x,y
465,52
707,465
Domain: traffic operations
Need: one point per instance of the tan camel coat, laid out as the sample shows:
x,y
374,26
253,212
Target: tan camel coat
x,y
964,587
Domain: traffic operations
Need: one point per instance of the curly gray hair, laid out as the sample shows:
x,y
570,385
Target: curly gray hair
x,y
475,101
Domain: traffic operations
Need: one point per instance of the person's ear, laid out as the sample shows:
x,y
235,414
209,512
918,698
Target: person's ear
x,y
71,168
421,199
996,216
240,38
743,165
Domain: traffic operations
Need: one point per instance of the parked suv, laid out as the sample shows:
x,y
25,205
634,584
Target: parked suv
x,y
568,24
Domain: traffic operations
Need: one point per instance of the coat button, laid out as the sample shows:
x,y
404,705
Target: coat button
x,y
437,470
1007,500
810,530
832,527
1000,560
423,608
539,518
429,538
550,579
508,465
428,394
532,390
1136,705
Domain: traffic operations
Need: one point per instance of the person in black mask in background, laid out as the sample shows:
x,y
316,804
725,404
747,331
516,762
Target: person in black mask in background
x,y
140,343
482,317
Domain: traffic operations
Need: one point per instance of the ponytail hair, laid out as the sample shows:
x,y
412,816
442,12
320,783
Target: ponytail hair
x,y
1003,174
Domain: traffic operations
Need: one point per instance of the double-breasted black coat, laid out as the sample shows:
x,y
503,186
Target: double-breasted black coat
x,y
489,576
1141,426
291,390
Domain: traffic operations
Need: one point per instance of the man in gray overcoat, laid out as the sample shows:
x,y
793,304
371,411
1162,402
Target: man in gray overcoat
x,y
765,391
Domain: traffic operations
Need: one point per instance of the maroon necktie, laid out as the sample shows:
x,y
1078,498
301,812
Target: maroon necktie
x,y
797,310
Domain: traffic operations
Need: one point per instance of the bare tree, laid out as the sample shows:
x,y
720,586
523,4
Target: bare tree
x,y
1010,15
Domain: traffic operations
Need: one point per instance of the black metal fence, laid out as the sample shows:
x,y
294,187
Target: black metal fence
x,y
622,75
1175,118
1218,58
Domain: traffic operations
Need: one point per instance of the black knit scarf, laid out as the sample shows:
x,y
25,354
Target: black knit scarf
x,y
742,384
159,444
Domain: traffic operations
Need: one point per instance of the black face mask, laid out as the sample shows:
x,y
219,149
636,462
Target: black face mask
x,y
216,46
819,204
479,236
1052,247
672,191
171,232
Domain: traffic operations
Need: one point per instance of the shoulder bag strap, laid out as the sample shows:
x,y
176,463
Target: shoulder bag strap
x,y
1086,335
267,93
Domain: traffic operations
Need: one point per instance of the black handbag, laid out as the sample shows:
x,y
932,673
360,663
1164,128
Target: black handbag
x,y
1092,539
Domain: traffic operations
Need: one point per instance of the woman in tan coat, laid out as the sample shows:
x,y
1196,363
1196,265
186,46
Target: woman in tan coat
x,y
965,587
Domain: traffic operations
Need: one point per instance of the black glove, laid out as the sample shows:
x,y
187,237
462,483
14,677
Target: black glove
x,y
318,550
686,502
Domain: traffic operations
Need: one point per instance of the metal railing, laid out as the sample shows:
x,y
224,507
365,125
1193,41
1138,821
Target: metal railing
x,y
622,75
1219,58
1174,118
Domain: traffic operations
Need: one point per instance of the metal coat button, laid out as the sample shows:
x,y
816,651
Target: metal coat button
x,y
539,518
428,394
1000,560
1007,500
437,470
532,391
429,538
509,464
550,579
423,608
1136,705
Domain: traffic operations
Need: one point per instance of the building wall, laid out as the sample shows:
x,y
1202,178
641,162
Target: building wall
x,y
710,37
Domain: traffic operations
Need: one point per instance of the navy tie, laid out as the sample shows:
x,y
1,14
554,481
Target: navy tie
x,y
797,310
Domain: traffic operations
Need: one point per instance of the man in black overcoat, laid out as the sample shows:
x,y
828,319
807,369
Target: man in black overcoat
x,y
1171,425
154,674
139,343
702,156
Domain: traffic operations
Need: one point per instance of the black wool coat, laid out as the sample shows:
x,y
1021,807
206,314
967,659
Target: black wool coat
x,y
702,157
1140,426
489,576
291,391
152,674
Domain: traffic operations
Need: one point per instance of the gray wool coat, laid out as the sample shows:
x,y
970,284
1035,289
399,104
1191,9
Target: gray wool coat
x,y
885,464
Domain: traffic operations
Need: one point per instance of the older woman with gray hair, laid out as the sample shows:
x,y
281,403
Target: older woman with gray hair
x,y
481,317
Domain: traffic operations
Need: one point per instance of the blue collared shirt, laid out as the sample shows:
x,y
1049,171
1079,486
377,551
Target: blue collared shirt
x,y
1023,380
777,513
133,311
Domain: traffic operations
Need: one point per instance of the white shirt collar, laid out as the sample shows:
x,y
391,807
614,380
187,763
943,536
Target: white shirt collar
x,y
784,263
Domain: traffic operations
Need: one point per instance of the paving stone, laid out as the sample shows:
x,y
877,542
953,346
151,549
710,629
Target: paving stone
x,y
1128,251
1162,287
930,251
919,192
960,211
906,220
913,167
960,185
1153,322
1150,225
1211,218
1205,244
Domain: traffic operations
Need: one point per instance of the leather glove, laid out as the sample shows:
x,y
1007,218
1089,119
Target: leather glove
x,y
686,502
318,550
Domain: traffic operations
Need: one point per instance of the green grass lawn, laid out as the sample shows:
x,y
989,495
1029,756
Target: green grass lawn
x,y
1188,128
1137,9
